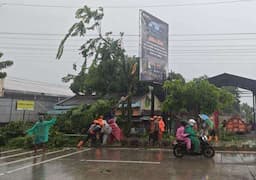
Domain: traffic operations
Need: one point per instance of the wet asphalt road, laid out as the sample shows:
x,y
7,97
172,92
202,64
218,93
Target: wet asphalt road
x,y
124,164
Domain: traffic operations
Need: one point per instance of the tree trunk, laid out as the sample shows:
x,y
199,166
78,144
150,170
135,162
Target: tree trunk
x,y
129,108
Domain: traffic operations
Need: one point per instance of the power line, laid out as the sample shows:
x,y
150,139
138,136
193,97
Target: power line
x,y
238,57
43,39
129,46
33,81
41,45
171,62
172,48
206,46
206,54
213,39
205,64
233,39
231,61
214,63
56,34
137,41
242,47
134,7
232,49
131,35
34,48
209,51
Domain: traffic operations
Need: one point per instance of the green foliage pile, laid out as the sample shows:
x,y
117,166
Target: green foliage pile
x,y
12,130
81,117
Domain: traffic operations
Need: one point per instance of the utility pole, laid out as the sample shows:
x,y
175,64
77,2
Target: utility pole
x,y
254,115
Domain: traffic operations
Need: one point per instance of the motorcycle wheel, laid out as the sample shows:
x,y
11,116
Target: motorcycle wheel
x,y
208,152
177,152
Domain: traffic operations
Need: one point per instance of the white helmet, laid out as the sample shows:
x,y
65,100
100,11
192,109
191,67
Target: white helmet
x,y
191,122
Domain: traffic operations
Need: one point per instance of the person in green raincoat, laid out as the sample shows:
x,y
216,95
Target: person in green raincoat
x,y
192,135
40,131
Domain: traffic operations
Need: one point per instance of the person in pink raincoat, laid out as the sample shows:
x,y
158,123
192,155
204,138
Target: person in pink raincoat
x,y
116,131
182,136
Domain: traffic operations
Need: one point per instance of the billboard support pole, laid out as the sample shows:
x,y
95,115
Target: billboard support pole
x,y
254,113
152,100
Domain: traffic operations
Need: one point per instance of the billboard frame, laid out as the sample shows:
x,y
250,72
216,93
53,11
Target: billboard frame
x,y
163,54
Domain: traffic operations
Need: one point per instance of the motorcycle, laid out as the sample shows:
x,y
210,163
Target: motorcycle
x,y
179,149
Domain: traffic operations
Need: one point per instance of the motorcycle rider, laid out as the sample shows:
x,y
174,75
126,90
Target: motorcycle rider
x,y
182,136
192,135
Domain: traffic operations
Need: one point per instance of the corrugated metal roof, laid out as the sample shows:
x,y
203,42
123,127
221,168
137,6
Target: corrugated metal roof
x,y
226,79
78,100
30,87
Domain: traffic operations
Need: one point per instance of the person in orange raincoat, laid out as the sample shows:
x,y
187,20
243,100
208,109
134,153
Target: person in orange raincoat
x,y
101,120
161,128
92,133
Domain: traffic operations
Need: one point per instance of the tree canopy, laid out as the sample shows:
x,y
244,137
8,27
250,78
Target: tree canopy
x,y
196,96
110,70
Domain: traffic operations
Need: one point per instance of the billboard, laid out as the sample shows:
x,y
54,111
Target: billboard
x,y
153,48
25,105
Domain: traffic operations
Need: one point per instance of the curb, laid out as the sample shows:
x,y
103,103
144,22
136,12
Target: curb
x,y
170,149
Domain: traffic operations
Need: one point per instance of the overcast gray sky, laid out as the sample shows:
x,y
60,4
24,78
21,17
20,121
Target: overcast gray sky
x,y
225,40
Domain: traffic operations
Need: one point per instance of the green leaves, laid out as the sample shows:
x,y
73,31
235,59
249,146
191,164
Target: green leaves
x,y
3,65
88,20
198,96
110,71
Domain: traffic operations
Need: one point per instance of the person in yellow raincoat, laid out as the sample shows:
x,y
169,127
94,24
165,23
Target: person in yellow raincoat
x,y
40,131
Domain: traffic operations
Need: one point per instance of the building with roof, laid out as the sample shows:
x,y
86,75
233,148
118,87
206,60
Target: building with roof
x,y
22,99
226,79
141,105
71,102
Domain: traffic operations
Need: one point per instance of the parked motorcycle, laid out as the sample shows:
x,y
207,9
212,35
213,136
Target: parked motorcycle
x,y
179,149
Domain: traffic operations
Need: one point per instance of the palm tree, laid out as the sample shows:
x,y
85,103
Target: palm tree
x,y
4,64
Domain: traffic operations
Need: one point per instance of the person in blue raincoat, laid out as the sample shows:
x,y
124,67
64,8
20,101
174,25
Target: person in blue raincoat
x,y
40,131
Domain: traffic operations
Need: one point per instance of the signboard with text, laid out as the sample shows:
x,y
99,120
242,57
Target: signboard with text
x,y
153,48
25,105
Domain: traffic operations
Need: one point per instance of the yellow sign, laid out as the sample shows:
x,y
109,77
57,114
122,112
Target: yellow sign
x,y
25,105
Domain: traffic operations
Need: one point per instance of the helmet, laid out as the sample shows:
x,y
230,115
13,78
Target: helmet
x,y
191,122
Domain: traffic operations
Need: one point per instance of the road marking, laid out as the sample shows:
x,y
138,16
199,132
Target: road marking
x,y
32,157
237,152
19,154
42,162
130,162
13,150
139,149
